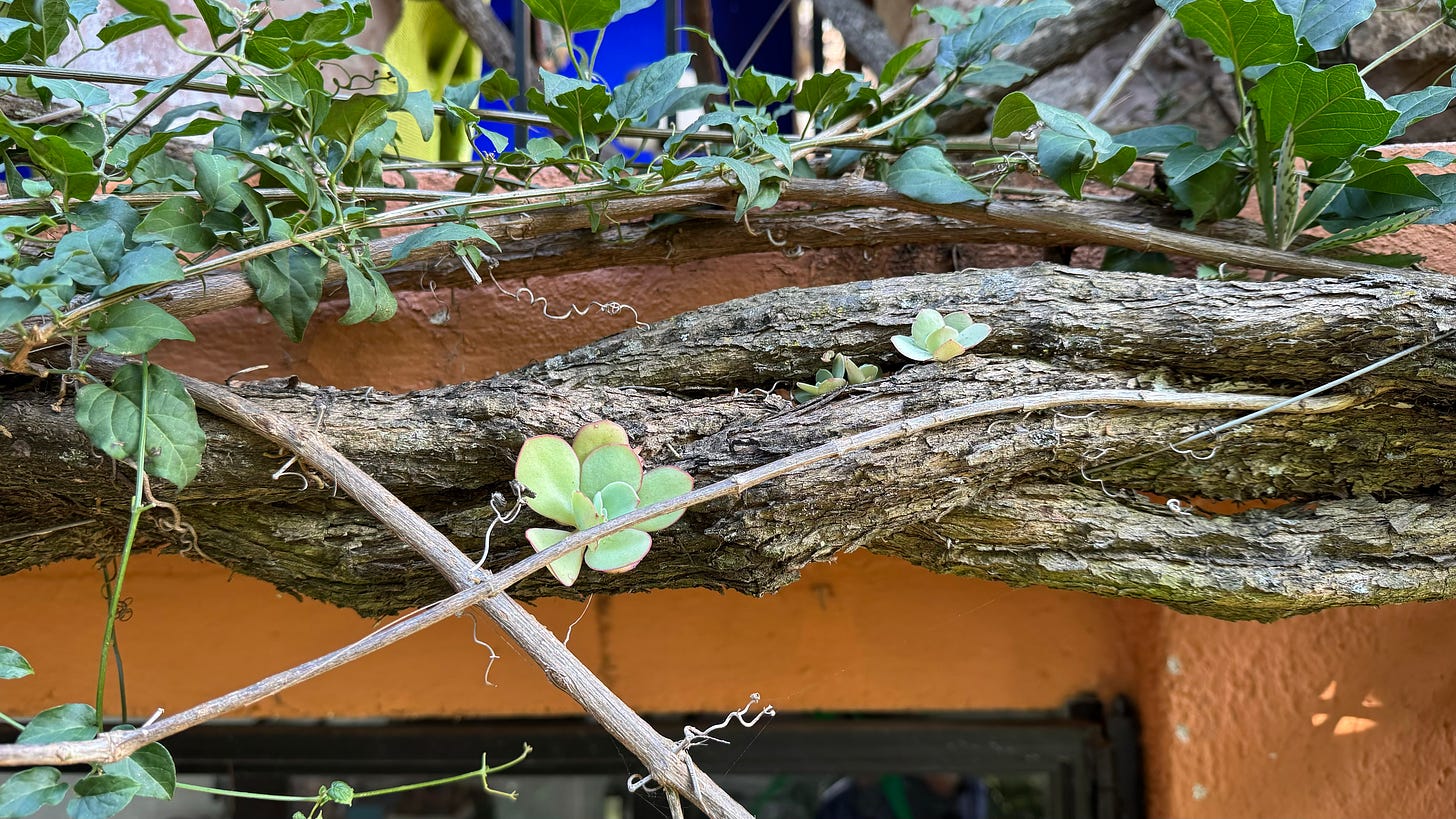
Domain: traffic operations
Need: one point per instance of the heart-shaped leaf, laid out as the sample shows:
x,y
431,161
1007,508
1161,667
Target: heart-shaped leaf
x,y
151,768
100,796
12,665
62,723
30,790
112,415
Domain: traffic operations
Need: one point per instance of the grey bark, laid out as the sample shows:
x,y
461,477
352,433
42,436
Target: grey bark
x,y
1005,499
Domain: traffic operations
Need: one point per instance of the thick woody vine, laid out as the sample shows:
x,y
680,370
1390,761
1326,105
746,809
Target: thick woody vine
x,y
102,220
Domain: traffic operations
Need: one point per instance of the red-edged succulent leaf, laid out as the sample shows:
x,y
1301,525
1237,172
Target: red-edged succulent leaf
x,y
548,468
618,553
597,434
660,484
565,568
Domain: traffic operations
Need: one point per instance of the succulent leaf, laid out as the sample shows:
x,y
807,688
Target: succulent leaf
x,y
972,335
565,568
585,511
597,434
907,347
940,337
608,464
927,321
619,552
959,321
822,375
659,484
949,349
841,363
616,499
548,468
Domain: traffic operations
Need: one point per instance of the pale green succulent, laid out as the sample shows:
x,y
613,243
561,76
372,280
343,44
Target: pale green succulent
x,y
842,372
593,479
938,337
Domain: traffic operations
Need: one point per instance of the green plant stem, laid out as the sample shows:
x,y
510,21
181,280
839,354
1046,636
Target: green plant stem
x,y
483,770
12,723
137,507
1410,41
264,797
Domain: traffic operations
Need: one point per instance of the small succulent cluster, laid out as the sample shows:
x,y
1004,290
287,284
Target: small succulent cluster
x,y
840,373
593,479
938,337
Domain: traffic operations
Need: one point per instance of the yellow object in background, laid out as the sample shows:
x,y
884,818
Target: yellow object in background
x,y
429,48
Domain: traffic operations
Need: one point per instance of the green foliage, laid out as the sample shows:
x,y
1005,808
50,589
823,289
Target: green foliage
x,y
12,665
842,372
940,338
593,479
113,416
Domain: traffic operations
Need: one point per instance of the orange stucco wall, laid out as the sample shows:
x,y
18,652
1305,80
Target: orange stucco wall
x,y
1342,714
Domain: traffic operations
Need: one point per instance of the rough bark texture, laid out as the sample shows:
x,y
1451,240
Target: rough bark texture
x,y
1005,498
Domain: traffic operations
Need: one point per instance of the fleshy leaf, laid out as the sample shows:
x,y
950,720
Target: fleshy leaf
x,y
607,464
618,553
565,568
940,337
659,484
948,350
927,321
585,511
908,348
597,434
959,320
617,499
973,335
549,469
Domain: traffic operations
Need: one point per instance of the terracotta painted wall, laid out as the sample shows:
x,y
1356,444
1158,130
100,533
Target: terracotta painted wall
x,y
1342,714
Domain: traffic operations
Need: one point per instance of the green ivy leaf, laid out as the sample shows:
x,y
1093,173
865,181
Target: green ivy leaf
x,y
73,721
633,99
68,168
1216,192
12,665
157,139
1332,112
992,26
1070,148
216,177
370,298
134,327
451,232
14,39
177,222
107,210
151,768
91,258
142,267
575,15
16,306
90,96
1418,105
289,284
30,790
1325,24
760,89
1155,138
925,175
51,21
421,108
218,18
340,792
111,417
897,63
157,10
1188,161
997,72
100,796
349,119
822,91
1246,32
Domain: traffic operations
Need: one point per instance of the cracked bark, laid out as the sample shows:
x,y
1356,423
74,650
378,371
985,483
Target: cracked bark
x,y
1002,498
